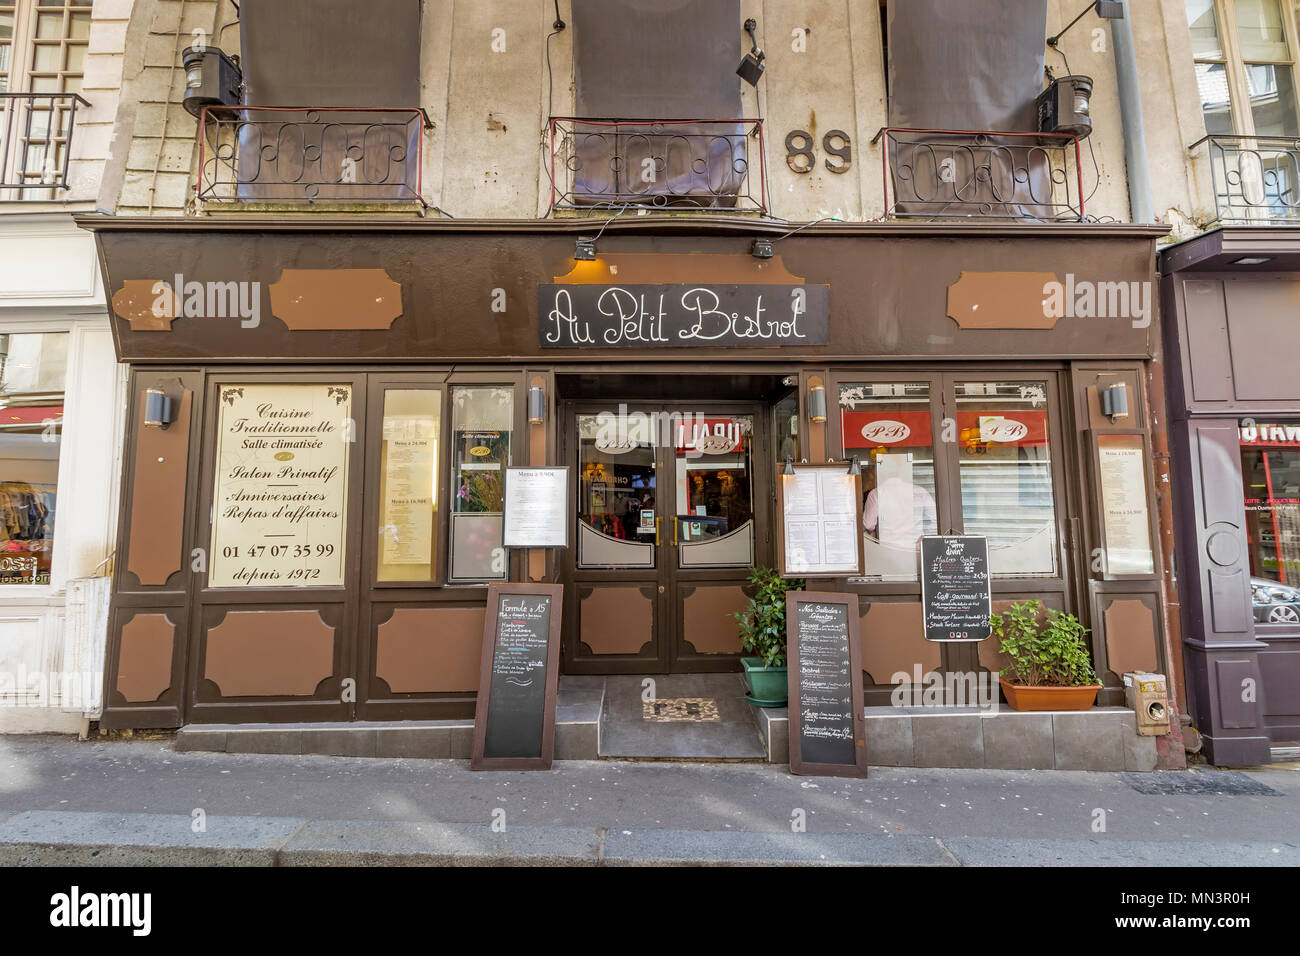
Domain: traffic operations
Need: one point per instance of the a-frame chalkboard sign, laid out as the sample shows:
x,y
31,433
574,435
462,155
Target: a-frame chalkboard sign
x,y
827,722
514,718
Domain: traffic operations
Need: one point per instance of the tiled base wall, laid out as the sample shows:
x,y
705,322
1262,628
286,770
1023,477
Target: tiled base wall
x,y
1104,738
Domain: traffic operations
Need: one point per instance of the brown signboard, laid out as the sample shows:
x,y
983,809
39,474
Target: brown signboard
x,y
827,722
514,717
682,316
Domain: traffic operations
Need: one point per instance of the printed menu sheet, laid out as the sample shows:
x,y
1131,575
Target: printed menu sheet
x,y
820,512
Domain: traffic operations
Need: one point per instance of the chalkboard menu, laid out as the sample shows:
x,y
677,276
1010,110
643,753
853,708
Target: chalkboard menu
x,y
514,719
955,591
827,723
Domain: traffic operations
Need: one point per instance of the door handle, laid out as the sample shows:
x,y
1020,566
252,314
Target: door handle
x,y
674,531
656,531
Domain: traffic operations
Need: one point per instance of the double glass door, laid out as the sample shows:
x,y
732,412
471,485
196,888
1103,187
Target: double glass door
x,y
671,511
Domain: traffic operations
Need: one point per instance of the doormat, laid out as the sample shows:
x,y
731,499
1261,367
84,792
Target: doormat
x,y
1225,782
680,709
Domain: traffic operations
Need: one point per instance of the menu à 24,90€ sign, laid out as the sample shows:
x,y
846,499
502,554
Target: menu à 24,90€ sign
x,y
279,510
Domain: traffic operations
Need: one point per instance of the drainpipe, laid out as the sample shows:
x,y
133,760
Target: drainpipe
x,y
1130,106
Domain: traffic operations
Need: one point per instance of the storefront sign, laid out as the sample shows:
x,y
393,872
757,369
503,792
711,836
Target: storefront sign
x,y
537,509
514,718
821,522
682,316
1126,525
1270,436
279,510
827,722
956,596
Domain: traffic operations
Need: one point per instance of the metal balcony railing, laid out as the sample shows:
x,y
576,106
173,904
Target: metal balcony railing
x,y
982,174
670,164
1256,179
310,154
36,143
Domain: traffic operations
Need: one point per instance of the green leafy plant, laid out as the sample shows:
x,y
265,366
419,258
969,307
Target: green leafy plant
x,y
1043,648
762,624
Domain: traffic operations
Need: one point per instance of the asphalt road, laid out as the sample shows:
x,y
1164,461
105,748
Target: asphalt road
x,y
140,802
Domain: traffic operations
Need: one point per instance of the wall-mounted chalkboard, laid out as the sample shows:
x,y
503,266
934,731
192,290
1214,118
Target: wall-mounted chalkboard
x,y
514,717
827,722
955,590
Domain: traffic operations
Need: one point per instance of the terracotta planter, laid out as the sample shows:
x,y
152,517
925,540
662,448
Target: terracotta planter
x,y
1021,697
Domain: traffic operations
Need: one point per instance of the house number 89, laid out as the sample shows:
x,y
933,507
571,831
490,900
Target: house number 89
x,y
799,155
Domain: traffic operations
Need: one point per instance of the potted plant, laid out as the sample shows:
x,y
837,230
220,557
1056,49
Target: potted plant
x,y
762,635
1049,667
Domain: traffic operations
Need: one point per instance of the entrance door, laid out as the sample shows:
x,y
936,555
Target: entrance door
x,y
673,507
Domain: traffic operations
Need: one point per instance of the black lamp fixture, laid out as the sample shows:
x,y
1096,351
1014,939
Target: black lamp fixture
x,y
752,65
816,402
1065,107
762,249
855,467
1106,9
159,408
787,470
212,79
536,405
584,250
1114,402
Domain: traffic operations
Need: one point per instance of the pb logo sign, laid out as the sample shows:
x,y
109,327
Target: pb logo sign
x,y
1003,430
885,431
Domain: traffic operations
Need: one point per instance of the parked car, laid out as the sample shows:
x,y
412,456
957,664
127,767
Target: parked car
x,y
1274,603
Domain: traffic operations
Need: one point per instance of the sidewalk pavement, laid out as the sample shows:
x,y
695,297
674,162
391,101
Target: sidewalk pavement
x,y
139,802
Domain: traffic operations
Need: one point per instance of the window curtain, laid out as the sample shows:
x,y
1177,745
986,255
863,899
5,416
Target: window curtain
x,y
973,65
330,53
657,60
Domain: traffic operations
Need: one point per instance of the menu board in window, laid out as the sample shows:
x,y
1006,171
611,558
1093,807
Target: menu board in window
x,y
1126,523
514,717
956,592
827,720
279,509
821,522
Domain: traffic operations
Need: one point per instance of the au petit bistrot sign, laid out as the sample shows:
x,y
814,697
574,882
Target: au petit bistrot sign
x,y
279,507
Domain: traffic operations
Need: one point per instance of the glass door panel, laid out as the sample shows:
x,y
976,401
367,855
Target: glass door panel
x,y
618,520
714,523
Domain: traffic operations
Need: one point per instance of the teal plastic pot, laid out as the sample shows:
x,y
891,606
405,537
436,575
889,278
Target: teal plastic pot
x,y
768,686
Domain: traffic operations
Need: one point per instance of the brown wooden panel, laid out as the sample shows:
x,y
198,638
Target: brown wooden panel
x,y
615,620
144,660
269,653
430,650
707,620
1208,352
157,513
1129,630
893,641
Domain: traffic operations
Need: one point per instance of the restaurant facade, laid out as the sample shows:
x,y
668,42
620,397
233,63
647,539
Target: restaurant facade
x,y
321,412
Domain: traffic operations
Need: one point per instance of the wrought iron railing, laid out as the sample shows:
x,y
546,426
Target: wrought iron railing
x,y
36,143
984,174
672,164
310,154
1256,179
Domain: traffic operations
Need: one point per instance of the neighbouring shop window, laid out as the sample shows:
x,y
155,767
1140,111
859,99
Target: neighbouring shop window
x,y
482,420
887,426
1005,472
1270,475
279,513
408,484
32,371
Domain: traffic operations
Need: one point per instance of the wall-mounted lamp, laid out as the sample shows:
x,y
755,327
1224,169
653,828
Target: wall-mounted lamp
x,y
751,67
1114,401
817,402
1066,107
159,408
788,469
536,405
762,249
855,467
211,79
584,250
1106,9
1252,260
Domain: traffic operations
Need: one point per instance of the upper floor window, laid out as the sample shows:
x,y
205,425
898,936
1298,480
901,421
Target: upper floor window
x,y
1245,66
42,58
